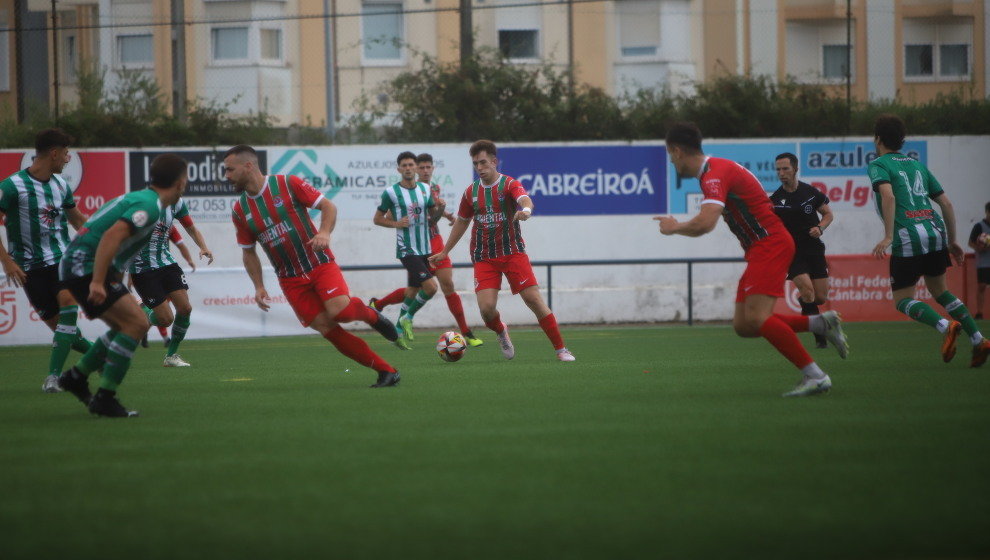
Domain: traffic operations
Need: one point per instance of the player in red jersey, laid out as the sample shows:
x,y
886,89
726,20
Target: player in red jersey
x,y
443,270
495,204
731,191
274,210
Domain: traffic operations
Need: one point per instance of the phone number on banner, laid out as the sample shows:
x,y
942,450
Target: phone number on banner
x,y
210,209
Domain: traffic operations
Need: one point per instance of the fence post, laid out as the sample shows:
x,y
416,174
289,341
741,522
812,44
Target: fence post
x,y
550,286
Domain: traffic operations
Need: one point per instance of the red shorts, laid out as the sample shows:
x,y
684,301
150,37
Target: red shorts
x,y
307,293
767,262
488,273
436,245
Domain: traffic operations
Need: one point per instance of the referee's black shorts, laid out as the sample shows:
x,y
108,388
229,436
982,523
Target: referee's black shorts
x,y
812,264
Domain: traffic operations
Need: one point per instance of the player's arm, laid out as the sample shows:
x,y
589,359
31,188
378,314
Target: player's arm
x,y
824,222
704,222
525,208
76,218
197,237
437,209
384,219
252,264
888,204
974,237
15,274
328,220
456,232
109,244
949,217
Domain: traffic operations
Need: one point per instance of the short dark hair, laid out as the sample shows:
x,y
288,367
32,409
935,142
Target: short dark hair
x,y
686,135
790,157
424,157
486,146
166,169
890,130
51,138
405,155
987,207
241,149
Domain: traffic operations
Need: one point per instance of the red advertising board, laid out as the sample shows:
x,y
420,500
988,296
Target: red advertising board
x,y
859,288
95,177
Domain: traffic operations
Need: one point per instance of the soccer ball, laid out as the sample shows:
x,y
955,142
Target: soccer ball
x,y
451,346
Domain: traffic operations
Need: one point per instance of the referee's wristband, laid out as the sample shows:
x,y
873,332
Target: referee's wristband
x,y
820,228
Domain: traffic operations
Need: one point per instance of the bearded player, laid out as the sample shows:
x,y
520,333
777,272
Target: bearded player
x,y
274,210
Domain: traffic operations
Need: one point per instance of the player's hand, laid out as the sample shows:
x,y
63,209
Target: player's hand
x,y
815,232
957,254
319,241
450,218
403,223
97,293
192,265
881,249
668,224
435,259
262,299
205,253
15,275
521,216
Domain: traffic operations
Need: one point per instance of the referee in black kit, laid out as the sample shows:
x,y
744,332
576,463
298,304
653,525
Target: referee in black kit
x,y
805,213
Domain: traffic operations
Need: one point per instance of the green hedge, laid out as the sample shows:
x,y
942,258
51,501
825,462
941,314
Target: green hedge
x,y
492,98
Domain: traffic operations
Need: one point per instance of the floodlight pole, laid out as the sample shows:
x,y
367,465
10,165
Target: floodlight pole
x,y
467,32
55,56
848,67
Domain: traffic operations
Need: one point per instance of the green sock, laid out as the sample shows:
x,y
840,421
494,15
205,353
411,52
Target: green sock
x,y
119,355
417,303
150,313
406,304
65,334
179,328
919,311
80,344
958,311
96,356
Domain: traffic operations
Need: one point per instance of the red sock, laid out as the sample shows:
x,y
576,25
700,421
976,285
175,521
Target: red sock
x,y
356,310
357,349
457,310
797,323
163,331
549,325
778,333
495,324
395,297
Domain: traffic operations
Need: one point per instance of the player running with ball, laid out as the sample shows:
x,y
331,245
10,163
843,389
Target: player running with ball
x,y
495,204
732,192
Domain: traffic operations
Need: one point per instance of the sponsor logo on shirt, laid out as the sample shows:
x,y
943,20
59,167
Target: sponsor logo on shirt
x,y
274,234
140,218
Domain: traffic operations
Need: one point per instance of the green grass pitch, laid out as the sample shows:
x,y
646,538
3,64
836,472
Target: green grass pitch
x,y
660,442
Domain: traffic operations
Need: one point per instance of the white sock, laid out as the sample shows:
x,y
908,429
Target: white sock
x,y
976,338
816,324
942,326
812,370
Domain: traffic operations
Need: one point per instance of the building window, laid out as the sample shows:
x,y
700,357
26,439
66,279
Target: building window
x,y
71,59
381,31
135,51
834,61
518,30
271,44
639,28
939,49
230,43
518,43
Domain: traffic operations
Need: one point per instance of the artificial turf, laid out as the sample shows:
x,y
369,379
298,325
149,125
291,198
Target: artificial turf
x,y
659,442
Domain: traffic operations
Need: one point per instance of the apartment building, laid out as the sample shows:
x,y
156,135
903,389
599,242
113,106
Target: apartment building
x,y
302,60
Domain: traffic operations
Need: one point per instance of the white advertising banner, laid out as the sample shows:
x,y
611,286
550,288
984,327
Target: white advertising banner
x,y
353,177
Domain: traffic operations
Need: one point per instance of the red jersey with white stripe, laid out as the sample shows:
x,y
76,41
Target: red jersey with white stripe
x,y
747,208
278,217
494,233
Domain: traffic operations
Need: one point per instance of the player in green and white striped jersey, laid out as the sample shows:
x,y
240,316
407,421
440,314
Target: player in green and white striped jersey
x,y
408,206
921,241
159,280
39,207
